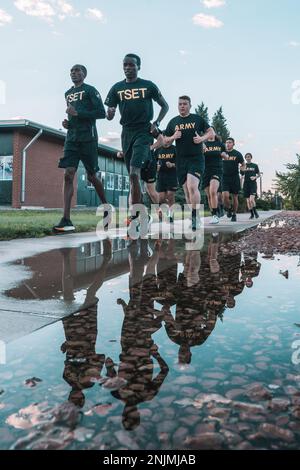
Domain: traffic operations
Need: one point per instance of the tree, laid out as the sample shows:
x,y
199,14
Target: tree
x,y
202,110
219,122
289,183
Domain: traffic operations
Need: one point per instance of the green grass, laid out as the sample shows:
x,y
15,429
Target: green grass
x,y
38,224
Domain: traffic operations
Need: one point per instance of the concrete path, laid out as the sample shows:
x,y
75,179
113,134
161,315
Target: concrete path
x,y
13,250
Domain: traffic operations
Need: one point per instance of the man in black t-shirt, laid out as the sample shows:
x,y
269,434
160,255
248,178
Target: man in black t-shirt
x,y
214,153
250,175
231,178
135,97
84,107
166,184
189,131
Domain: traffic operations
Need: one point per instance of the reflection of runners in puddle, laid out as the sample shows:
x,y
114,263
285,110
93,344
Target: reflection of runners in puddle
x,y
200,301
141,321
250,268
231,277
83,365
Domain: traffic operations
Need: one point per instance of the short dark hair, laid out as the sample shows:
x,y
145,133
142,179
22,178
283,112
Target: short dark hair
x,y
186,98
83,68
232,140
136,57
250,155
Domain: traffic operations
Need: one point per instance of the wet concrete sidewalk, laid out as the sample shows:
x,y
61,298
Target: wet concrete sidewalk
x,y
15,249
34,272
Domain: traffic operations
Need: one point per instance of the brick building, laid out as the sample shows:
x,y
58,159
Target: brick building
x,y
30,177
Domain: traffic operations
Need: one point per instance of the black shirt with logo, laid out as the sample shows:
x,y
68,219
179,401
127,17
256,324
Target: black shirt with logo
x,y
135,101
188,125
250,170
231,166
213,154
89,106
164,155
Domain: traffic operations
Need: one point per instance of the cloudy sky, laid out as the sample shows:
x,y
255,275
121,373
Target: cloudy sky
x,y
241,54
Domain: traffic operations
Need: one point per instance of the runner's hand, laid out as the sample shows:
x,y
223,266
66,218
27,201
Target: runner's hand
x,y
65,123
159,143
177,135
110,113
71,110
197,139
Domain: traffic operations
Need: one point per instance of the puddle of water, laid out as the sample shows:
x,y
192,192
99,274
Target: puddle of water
x,y
178,349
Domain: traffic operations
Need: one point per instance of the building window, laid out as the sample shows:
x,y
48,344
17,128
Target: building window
x,y
126,185
6,168
110,181
120,185
102,177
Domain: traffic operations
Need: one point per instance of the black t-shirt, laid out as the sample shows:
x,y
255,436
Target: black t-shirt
x,y
188,125
135,101
88,103
164,155
212,153
250,170
231,166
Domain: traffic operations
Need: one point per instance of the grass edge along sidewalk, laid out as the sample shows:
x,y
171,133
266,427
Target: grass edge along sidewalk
x,y
38,223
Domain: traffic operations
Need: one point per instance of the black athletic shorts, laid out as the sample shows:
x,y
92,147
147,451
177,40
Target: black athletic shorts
x,y
148,171
166,181
231,184
193,165
211,174
250,189
74,152
136,146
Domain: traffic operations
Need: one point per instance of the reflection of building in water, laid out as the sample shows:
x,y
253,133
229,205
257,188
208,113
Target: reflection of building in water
x,y
46,269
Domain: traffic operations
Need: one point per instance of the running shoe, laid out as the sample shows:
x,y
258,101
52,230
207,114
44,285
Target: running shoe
x,y
221,212
196,224
215,220
150,220
64,226
229,213
133,228
233,218
107,215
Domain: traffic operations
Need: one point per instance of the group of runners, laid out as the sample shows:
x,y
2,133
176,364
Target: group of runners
x,y
188,152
